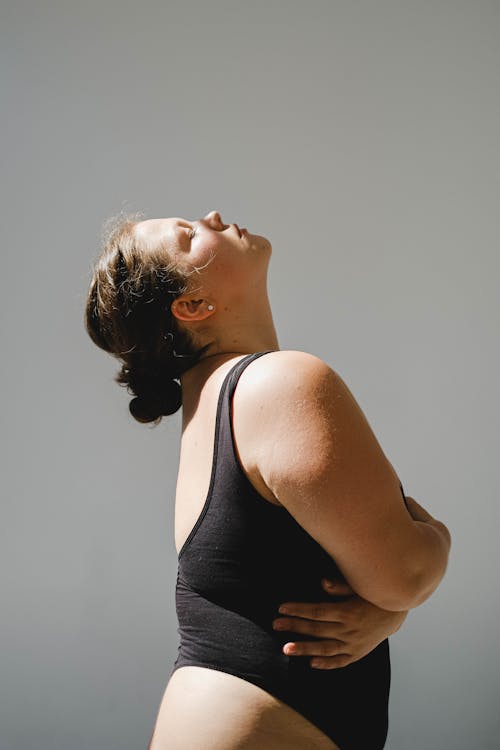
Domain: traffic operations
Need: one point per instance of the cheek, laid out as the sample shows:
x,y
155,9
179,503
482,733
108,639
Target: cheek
x,y
224,263
210,256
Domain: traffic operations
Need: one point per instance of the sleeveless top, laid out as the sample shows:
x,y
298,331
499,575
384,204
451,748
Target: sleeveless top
x,y
243,558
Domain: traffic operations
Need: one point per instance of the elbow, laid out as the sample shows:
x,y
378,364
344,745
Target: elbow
x,y
426,586
400,602
422,581
413,580
394,603
421,587
407,594
397,597
427,579
412,598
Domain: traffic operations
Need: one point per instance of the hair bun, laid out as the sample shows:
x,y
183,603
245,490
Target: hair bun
x,y
147,408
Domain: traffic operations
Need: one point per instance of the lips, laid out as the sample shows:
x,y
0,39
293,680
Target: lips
x,y
237,229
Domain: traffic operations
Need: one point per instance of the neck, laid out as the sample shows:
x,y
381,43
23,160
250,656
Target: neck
x,y
213,359
252,331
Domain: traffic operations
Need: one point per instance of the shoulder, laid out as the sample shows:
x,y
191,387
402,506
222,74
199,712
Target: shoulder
x,y
280,385
294,402
286,366
274,392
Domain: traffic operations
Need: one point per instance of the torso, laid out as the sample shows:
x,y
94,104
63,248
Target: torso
x,y
203,707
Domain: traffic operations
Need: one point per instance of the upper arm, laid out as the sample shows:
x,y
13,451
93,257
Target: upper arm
x,y
320,458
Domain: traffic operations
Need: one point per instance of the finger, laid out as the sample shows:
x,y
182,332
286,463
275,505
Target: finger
x,y
331,647
327,611
310,627
341,588
331,662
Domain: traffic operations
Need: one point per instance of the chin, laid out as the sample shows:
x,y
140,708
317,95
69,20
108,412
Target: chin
x,y
263,241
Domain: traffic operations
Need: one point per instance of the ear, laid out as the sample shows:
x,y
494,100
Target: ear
x,y
184,308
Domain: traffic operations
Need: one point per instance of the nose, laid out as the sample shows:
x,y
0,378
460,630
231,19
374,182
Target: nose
x,y
214,219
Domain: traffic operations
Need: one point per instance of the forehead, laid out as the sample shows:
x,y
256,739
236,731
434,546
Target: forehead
x,y
153,231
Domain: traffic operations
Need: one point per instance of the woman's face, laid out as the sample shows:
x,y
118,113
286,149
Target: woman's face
x,y
208,246
226,269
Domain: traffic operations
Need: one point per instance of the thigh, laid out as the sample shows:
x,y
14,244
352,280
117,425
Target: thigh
x,y
218,711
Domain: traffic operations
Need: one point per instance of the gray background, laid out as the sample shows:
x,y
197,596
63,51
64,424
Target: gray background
x,y
362,139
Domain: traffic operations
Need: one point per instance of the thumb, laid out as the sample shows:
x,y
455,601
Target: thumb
x,y
336,587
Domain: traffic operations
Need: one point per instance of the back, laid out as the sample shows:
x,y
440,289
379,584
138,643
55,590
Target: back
x,y
243,558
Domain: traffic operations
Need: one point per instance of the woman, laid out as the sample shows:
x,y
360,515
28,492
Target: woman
x,y
281,485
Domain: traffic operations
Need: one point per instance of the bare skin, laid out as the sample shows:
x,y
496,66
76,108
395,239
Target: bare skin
x,y
228,308
230,714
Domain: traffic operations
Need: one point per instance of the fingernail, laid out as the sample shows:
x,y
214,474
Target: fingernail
x,y
283,610
329,584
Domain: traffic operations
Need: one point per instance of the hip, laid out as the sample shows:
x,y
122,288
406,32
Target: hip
x,y
209,708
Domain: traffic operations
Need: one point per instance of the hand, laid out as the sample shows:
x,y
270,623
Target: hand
x,y
420,515
416,511
349,628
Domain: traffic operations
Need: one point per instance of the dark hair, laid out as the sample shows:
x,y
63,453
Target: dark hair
x,y
128,315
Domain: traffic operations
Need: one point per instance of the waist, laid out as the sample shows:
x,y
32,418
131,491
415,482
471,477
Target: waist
x,y
225,637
